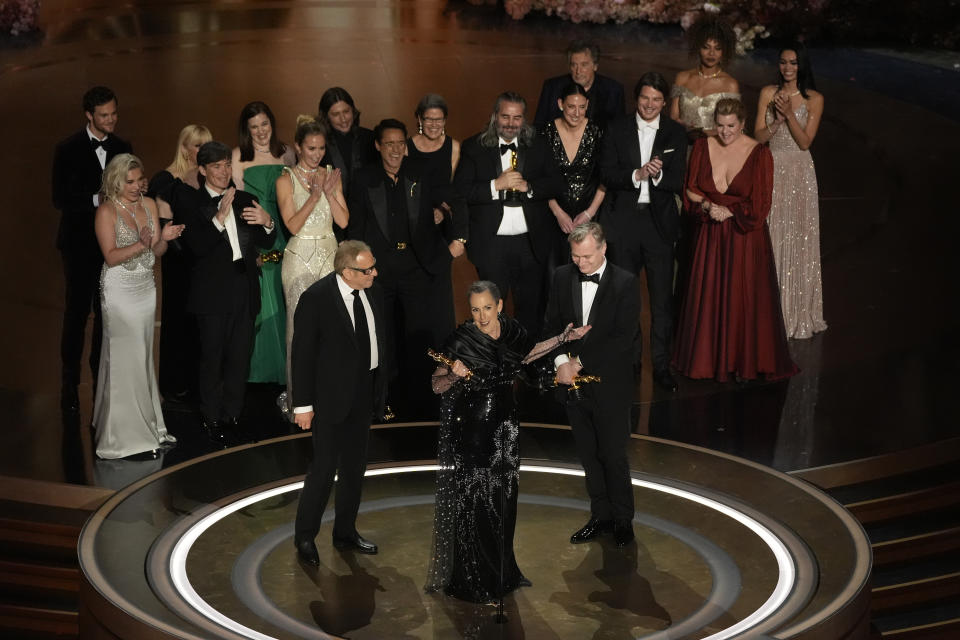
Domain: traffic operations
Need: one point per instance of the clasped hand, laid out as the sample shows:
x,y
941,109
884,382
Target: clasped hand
x,y
650,170
719,212
510,180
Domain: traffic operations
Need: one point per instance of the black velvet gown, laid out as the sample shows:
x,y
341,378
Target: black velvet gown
x,y
478,454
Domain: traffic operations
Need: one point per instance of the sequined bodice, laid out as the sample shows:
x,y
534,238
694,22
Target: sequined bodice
x,y
127,236
580,177
320,221
697,111
781,140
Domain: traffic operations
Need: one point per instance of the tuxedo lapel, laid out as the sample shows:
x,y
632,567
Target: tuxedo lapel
x,y
378,202
635,157
576,294
412,194
658,140
522,153
602,289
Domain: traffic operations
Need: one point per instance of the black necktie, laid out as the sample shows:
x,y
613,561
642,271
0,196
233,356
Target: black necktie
x,y
362,329
508,147
96,144
594,278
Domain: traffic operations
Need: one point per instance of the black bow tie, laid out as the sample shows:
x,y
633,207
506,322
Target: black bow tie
x,y
508,147
97,144
594,278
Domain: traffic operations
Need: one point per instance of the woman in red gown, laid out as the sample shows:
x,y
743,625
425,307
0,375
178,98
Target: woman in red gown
x,y
730,320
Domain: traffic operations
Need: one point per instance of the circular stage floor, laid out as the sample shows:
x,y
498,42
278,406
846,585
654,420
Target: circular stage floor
x,y
725,548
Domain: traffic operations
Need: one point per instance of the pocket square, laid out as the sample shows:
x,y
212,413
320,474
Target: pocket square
x,y
668,150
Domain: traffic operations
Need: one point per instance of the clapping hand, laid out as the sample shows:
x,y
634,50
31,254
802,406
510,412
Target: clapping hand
x,y
146,237
331,181
781,106
172,232
226,204
255,214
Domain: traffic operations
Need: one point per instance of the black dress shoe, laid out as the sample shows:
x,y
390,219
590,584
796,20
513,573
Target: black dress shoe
x,y
622,532
356,542
666,381
594,528
307,552
214,432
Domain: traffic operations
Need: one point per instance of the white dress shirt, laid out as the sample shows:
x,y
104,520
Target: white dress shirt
x,y
513,223
588,293
646,132
346,293
101,156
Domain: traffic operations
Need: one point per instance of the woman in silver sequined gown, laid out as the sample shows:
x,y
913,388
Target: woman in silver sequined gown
x,y
126,410
476,503
788,116
310,199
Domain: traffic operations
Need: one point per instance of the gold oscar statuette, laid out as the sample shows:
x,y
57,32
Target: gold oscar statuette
x,y
442,359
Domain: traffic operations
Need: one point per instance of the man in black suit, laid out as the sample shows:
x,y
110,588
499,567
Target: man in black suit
x,y
78,164
605,94
391,209
511,227
643,163
592,291
339,357
225,230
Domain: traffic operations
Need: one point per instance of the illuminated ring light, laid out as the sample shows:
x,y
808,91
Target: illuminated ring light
x,y
787,578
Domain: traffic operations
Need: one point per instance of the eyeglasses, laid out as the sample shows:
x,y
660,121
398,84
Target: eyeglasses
x,y
433,120
368,271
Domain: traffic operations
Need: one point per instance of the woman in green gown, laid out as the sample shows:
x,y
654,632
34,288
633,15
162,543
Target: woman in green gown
x,y
257,162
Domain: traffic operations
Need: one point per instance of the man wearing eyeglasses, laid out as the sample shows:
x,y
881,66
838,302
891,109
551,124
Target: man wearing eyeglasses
x,y
339,384
391,208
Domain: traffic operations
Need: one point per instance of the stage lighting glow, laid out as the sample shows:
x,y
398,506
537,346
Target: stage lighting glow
x,y
786,566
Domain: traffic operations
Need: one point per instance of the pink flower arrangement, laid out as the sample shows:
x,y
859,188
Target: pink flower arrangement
x,y
749,17
18,16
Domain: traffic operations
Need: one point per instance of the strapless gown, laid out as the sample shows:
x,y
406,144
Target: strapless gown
x,y
308,256
795,232
697,111
126,409
269,355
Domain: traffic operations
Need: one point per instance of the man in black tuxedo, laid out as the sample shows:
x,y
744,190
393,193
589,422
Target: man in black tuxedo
x,y
592,291
511,227
225,230
605,94
391,209
643,163
339,367
78,164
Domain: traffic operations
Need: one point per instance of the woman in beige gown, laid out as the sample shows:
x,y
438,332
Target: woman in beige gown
x,y
696,91
788,116
310,198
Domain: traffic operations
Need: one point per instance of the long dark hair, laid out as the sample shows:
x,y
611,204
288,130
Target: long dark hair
x,y
277,148
805,81
332,96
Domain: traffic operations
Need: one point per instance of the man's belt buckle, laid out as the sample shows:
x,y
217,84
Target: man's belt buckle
x,y
401,246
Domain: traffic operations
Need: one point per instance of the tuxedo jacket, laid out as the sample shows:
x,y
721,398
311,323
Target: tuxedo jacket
x,y
325,354
605,96
607,349
76,178
621,156
362,153
478,166
369,216
213,274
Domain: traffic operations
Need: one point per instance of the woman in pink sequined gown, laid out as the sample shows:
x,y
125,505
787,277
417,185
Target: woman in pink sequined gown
x,y
788,116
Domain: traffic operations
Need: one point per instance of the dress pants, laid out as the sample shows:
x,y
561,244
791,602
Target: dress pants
x,y
518,271
226,340
339,448
638,245
81,273
601,431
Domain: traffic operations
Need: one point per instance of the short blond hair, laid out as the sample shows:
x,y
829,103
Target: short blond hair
x,y
115,173
581,231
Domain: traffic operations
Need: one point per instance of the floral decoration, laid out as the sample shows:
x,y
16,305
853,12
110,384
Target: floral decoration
x,y
18,16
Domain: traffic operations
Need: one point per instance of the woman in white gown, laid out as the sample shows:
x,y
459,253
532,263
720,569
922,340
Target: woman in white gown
x,y
126,411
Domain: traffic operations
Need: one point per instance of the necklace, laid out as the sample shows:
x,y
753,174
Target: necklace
x,y
795,93
712,75
132,214
261,149
302,170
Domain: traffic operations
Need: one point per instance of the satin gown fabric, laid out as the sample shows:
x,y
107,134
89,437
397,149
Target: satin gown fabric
x,y
730,322
795,232
269,356
307,258
126,411
478,454
697,111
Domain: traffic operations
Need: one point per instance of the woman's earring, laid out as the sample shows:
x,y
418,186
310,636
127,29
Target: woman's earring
x,y
421,126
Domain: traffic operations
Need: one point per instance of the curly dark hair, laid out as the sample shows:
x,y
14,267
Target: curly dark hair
x,y
709,26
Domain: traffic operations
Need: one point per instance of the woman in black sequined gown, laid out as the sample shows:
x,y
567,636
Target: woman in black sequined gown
x,y
478,454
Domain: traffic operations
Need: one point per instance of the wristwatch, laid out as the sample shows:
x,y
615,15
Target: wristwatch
x,y
462,241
